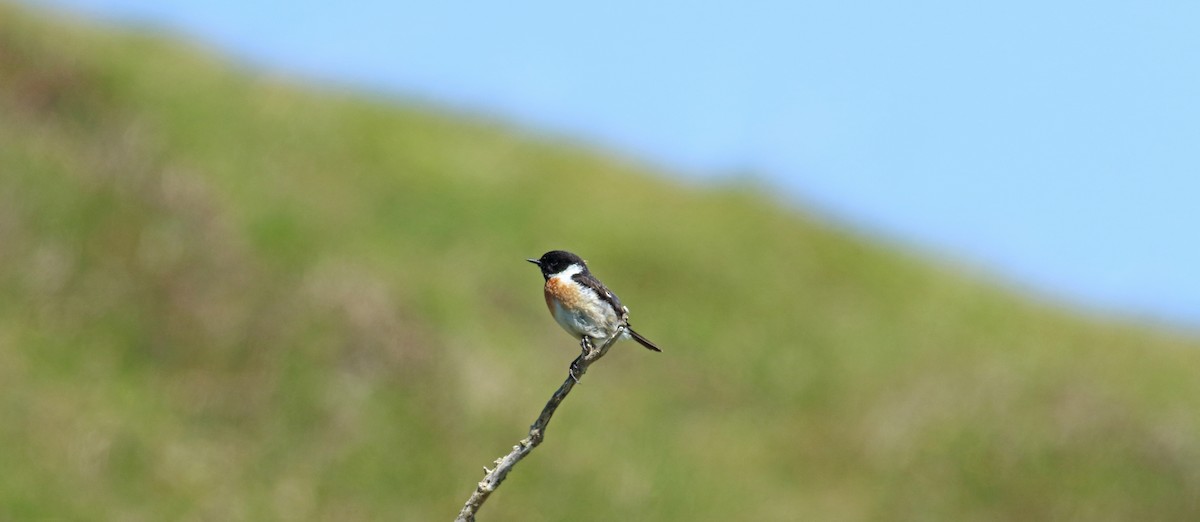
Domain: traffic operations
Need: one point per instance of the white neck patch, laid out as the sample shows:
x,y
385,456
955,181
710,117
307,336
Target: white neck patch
x,y
570,271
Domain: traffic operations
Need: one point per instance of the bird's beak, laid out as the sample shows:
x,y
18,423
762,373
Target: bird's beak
x,y
534,261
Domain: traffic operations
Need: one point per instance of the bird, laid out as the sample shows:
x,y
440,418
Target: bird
x,y
581,304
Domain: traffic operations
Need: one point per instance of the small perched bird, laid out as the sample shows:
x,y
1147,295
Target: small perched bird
x,y
581,304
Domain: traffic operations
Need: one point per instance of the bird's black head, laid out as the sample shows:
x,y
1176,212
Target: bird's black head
x,y
556,261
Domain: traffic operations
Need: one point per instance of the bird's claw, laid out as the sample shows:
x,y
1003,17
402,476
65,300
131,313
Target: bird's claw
x,y
574,370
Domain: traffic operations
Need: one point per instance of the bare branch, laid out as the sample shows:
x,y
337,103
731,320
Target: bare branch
x,y
537,432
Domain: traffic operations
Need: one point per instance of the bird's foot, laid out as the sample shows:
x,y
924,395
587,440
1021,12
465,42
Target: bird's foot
x,y
574,371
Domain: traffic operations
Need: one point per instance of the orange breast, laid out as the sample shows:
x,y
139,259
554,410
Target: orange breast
x,y
561,291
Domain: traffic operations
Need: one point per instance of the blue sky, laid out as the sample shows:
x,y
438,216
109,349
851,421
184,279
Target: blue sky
x,y
1054,143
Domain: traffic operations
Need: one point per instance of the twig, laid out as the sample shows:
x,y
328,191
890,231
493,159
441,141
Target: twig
x,y
537,431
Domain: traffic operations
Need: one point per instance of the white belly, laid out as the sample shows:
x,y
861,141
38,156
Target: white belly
x,y
579,323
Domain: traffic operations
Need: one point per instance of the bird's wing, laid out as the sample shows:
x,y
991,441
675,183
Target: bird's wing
x,y
587,280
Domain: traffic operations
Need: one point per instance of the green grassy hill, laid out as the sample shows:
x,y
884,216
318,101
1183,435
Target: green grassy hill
x,y
224,296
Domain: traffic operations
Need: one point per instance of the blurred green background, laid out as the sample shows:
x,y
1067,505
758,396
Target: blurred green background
x,y
226,296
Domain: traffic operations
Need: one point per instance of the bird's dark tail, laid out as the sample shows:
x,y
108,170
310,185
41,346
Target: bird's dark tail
x,y
642,340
